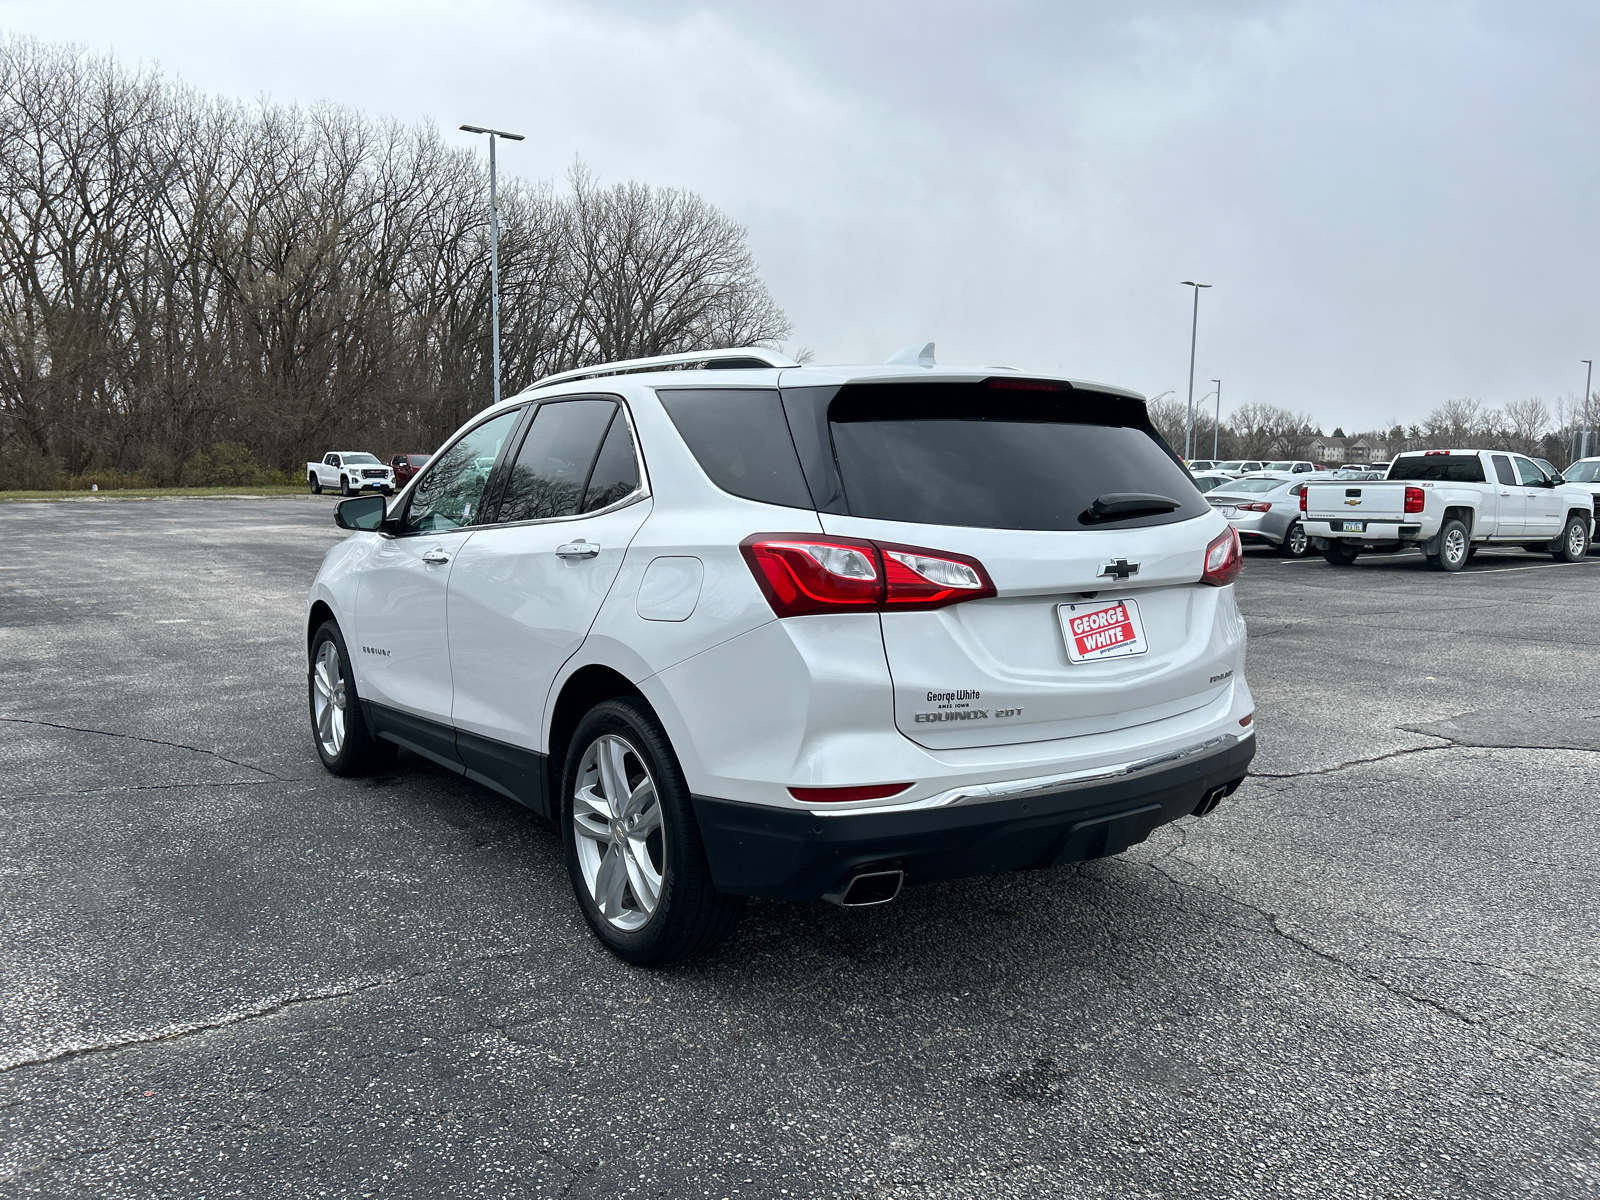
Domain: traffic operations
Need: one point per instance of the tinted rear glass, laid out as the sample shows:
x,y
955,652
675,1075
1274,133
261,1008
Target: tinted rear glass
x,y
969,454
741,440
1439,468
1255,485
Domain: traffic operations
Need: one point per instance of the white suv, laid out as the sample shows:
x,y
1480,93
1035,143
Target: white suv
x,y
794,631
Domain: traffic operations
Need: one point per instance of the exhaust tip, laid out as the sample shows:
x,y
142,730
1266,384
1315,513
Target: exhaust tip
x,y
869,889
1210,800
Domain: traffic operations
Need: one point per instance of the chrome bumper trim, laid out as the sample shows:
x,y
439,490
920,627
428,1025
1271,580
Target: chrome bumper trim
x,y
1014,789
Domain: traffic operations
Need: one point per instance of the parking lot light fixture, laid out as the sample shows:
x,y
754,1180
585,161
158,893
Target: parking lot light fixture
x,y
1588,380
494,246
1194,328
1216,428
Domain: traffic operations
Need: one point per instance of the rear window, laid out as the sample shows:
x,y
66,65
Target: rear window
x,y
1000,457
1254,485
1439,468
741,440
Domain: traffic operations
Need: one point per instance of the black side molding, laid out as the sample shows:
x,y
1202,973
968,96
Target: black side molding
x,y
510,770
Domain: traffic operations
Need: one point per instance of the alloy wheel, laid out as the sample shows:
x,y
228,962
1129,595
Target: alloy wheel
x,y
1455,546
1298,541
1576,540
328,703
616,822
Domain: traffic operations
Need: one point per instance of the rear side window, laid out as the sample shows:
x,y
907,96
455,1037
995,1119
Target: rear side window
x,y
616,471
1439,468
553,465
741,440
1001,457
1502,468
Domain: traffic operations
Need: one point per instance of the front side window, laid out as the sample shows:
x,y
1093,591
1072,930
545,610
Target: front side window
x,y
563,451
1531,475
332,460
448,494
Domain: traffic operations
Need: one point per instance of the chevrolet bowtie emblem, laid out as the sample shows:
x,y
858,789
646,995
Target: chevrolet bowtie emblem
x,y
1121,569
1352,502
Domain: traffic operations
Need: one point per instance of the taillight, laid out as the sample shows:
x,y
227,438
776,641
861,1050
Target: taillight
x,y
1302,499
1224,559
930,578
802,574
1254,506
1414,499
843,795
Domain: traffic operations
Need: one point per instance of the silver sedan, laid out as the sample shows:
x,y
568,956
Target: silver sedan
x,y
1265,510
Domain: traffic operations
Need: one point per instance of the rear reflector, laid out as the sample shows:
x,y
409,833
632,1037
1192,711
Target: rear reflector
x,y
803,574
1247,718
842,795
1224,559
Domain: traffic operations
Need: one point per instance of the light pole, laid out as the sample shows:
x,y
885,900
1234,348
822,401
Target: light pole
x,y
494,246
1194,329
1216,429
1588,378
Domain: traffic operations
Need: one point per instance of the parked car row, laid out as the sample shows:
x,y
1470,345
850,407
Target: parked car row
x,y
356,471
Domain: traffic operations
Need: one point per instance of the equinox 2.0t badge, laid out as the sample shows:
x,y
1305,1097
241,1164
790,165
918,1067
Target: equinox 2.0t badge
x,y
1121,569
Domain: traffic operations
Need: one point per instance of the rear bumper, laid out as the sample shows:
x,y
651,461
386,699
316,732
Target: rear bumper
x,y
1374,531
787,854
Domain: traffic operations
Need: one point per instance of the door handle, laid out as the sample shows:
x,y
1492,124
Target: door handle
x,y
435,556
1505,493
578,550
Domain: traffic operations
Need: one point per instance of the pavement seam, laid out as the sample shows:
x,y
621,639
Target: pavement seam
x,y
133,737
1275,928
263,1008
1450,744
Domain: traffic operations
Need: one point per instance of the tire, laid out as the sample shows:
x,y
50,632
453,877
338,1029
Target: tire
x,y
344,487
1573,544
344,744
1341,554
316,485
1455,545
1295,543
612,867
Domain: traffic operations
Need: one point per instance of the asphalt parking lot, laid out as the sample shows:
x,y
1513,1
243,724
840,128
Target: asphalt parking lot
x,y
1374,971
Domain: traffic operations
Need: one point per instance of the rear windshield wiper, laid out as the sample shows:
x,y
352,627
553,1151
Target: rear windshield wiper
x,y
1121,506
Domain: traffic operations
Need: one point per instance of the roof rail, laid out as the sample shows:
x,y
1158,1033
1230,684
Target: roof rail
x,y
752,356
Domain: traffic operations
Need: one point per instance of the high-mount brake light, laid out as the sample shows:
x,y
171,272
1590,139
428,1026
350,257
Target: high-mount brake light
x,y
844,795
802,574
1029,385
1415,500
1224,559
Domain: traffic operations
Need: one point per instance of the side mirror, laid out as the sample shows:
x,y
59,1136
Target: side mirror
x,y
360,512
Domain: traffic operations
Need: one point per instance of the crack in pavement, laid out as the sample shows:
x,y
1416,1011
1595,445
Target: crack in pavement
x,y
150,787
133,737
1274,927
1449,744
262,1008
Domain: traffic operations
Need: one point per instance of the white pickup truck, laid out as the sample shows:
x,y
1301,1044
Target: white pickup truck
x,y
1448,503
351,471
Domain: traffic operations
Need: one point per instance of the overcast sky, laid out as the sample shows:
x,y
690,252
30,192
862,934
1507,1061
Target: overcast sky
x,y
1395,202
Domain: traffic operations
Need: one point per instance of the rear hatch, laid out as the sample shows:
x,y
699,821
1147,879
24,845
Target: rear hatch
x,y
1010,477
1342,499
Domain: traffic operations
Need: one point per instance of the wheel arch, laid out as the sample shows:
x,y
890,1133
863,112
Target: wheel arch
x,y
319,613
582,690
1459,512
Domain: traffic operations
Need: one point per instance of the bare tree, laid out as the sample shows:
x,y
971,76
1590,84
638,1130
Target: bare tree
x,y
179,272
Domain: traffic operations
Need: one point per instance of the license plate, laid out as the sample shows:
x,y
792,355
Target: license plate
x,y
1227,510
1352,526
1099,629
